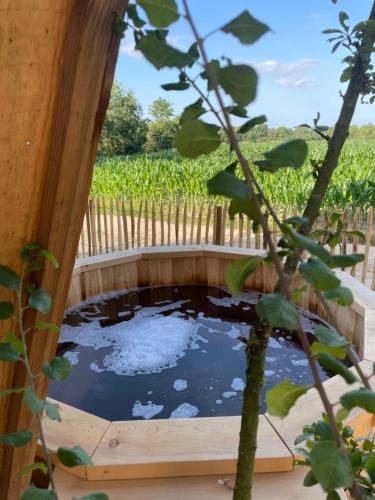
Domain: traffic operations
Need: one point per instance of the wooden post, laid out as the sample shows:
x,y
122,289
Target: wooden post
x,y
367,244
53,98
218,223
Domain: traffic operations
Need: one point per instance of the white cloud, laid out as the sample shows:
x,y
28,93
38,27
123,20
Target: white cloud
x,y
291,74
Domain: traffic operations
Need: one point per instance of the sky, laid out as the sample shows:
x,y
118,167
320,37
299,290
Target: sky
x,y
298,74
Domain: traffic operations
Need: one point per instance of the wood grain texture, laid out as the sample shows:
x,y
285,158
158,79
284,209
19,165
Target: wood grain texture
x,y
182,447
58,59
272,486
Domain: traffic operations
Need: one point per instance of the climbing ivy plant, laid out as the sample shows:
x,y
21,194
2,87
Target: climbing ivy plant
x,y
27,295
225,89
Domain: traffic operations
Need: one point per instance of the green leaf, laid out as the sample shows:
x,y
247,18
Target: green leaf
x,y
330,337
370,467
32,246
43,325
226,183
51,411
237,111
299,240
161,13
333,495
50,257
71,457
243,206
296,220
258,120
335,366
6,310
34,404
343,261
342,414
363,398
93,496
309,480
290,154
281,398
16,439
7,392
246,28
157,51
342,295
36,466
330,466
12,338
346,74
58,369
9,279
195,138
277,311
192,111
240,82
8,352
319,275
34,493
239,270
133,15
338,352
40,300
176,86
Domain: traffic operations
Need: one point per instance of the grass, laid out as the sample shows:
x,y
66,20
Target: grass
x,y
168,176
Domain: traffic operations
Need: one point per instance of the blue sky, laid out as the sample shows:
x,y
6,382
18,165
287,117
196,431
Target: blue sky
x,y
298,74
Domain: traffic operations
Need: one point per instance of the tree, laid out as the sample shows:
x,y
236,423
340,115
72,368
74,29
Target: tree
x,y
162,130
161,110
125,128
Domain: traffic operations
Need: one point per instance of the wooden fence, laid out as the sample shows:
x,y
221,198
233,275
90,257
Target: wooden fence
x,y
113,224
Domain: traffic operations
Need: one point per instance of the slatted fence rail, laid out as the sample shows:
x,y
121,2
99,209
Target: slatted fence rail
x,y
113,224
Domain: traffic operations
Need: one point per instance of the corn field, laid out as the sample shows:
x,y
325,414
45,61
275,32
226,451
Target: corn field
x,y
167,176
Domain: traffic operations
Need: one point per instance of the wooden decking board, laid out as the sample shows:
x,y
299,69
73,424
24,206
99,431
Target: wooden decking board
x,y
160,448
275,486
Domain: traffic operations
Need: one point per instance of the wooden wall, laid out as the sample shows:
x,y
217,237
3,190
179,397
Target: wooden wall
x,y
57,65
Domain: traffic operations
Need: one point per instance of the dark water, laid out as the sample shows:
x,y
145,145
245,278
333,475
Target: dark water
x,y
208,357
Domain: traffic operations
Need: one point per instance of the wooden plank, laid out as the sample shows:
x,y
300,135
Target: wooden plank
x,y
276,486
344,238
248,232
224,224
119,224
125,225
176,223
199,224
184,223
161,224
182,447
83,240
112,224
76,428
367,244
356,227
231,232
132,222
88,228
240,230
146,222
139,220
49,135
153,225
105,224
169,224
93,226
191,240
99,216
208,220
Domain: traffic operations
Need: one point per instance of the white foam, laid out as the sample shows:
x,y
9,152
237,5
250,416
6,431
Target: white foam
x,y
224,301
72,356
274,343
269,373
123,313
180,385
146,411
238,346
229,394
300,362
219,401
270,359
185,410
237,384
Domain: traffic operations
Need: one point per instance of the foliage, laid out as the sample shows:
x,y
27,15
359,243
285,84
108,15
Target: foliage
x,y
161,110
328,456
14,349
168,174
124,131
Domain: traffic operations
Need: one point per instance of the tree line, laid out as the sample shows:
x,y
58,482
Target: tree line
x,y
127,131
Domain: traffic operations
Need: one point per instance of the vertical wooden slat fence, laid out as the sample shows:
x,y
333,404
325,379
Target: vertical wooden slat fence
x,y
117,224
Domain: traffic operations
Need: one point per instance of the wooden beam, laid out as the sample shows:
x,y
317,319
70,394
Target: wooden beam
x,y
57,65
